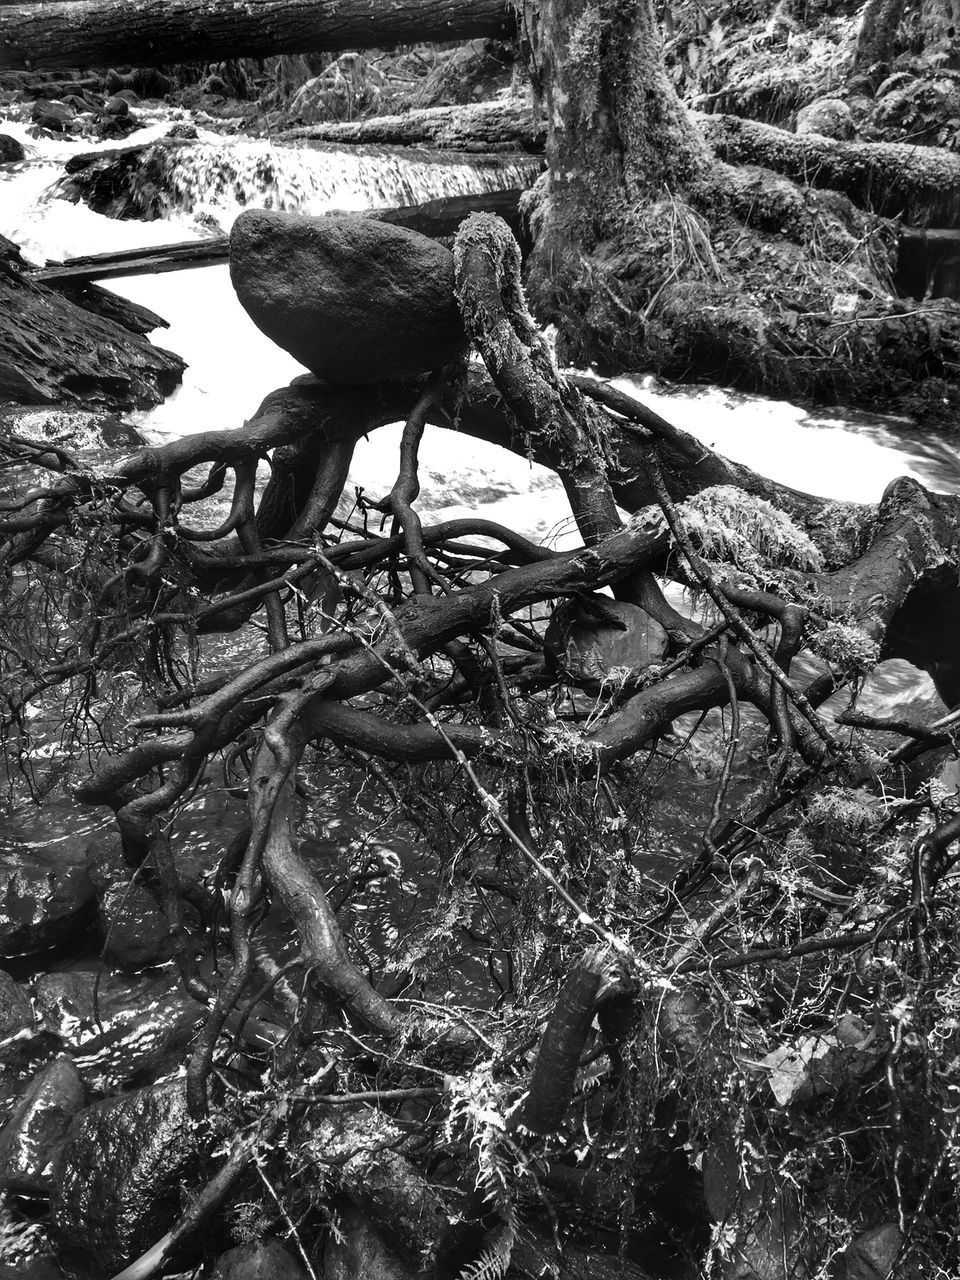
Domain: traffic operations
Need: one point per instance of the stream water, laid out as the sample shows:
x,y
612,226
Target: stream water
x,y
836,453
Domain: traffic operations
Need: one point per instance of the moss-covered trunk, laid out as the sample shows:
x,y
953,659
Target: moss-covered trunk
x,y
940,20
651,251
878,29
618,135
617,132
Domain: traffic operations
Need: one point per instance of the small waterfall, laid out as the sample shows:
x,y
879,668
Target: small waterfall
x,y
218,180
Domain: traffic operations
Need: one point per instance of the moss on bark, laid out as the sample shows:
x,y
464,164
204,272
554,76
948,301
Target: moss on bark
x,y
651,252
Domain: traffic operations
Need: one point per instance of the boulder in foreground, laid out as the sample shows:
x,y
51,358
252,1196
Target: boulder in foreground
x,y
118,1179
354,300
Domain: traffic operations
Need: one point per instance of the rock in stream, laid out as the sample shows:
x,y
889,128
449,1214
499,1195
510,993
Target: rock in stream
x,y
353,299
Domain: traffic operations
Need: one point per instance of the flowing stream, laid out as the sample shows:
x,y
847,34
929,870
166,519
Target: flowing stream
x,y
232,366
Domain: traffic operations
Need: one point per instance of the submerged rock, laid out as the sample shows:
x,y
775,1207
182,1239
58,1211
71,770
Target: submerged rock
x,y
16,1011
76,430
118,1028
117,1181
23,1041
596,638
261,1260
31,1136
353,299
135,928
55,117
45,895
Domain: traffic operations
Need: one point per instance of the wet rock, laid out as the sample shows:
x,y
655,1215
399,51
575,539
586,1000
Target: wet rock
x,y
872,1255
133,1027
183,129
821,1064
76,430
45,895
10,149
55,117
32,1135
118,1178
23,1041
203,832
16,1011
360,1253
261,1260
353,299
827,117
116,106
595,637
134,926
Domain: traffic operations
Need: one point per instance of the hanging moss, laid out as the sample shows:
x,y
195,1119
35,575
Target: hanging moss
x,y
727,524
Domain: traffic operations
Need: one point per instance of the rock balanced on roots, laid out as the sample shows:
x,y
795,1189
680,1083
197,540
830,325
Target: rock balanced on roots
x,y
353,299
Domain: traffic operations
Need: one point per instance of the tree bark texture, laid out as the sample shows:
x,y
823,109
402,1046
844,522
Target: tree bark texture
x,y
940,21
878,28
617,132
91,33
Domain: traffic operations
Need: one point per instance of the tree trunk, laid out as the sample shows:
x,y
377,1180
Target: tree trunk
x,y
618,134
940,21
618,139
90,33
878,27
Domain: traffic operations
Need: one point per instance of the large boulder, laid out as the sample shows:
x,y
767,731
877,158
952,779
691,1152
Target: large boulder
x,y
31,1137
118,1179
260,1260
353,299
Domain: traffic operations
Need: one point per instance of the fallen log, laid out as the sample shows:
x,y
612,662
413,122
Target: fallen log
x,y
434,218
893,179
481,126
99,33
137,262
